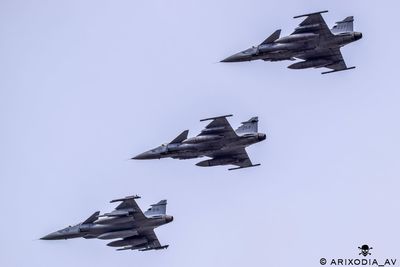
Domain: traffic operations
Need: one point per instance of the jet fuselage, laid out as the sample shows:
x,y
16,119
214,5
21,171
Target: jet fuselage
x,y
292,46
200,146
108,228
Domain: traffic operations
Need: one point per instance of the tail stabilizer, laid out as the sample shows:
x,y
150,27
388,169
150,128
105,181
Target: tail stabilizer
x,y
345,25
157,209
250,126
180,138
272,38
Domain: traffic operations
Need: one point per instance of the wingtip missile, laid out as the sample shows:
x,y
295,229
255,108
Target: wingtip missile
x,y
309,14
218,117
332,71
237,168
125,198
154,248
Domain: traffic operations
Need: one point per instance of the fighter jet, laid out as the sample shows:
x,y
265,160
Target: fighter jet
x,y
312,41
218,141
133,228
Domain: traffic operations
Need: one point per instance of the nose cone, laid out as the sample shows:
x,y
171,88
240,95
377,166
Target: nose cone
x,y
169,218
262,136
239,57
147,155
53,236
357,35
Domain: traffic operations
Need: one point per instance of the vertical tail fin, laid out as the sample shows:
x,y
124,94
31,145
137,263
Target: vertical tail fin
x,y
345,25
157,209
250,126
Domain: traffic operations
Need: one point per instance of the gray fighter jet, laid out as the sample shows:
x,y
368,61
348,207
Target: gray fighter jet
x,y
218,140
312,42
133,228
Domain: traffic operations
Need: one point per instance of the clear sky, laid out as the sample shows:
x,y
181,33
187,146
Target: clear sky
x,y
86,85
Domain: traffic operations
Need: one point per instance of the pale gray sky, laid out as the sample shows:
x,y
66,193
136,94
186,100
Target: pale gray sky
x,y
85,85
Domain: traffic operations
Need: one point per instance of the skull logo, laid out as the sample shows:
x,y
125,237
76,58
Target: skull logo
x,y
364,250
